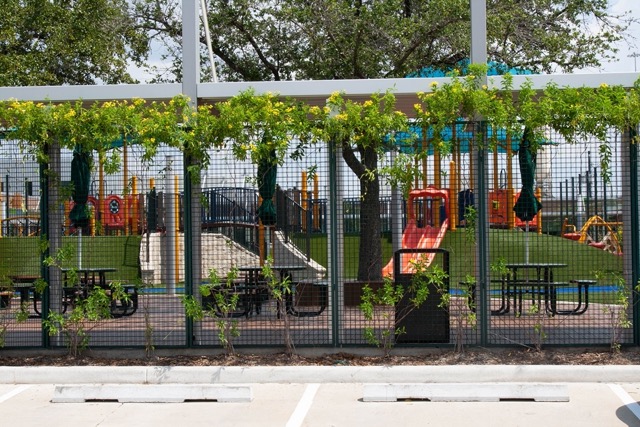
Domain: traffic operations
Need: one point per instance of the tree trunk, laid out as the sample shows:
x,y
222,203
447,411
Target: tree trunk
x,y
370,255
370,251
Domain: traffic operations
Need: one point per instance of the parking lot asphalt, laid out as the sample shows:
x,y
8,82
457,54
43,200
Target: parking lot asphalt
x,y
483,395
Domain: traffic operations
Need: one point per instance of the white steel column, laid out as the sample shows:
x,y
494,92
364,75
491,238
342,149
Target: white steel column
x,y
479,56
192,189
190,49
478,31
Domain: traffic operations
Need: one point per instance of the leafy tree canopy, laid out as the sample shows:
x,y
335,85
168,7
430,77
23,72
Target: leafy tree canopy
x,y
57,42
340,39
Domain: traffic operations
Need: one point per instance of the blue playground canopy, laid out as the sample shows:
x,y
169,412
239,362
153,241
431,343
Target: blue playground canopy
x,y
410,141
495,69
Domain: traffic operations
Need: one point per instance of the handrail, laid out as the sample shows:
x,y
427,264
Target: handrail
x,y
26,226
226,209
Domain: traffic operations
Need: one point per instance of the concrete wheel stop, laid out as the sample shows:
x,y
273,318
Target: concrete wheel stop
x,y
507,392
151,393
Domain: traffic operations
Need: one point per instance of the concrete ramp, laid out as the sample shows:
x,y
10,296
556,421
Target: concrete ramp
x,y
220,252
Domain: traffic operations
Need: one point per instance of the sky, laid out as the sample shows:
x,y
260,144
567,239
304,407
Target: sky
x,y
625,63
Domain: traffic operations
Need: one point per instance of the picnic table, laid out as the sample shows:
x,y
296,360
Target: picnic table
x,y
97,276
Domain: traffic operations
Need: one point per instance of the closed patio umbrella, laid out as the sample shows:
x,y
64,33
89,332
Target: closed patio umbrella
x,y
527,205
81,180
267,174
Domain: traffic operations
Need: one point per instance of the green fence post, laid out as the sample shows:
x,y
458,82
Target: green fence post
x,y
482,237
333,237
192,223
188,242
44,232
634,227
192,206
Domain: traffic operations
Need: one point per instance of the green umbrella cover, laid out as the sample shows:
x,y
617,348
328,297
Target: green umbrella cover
x,y
527,206
81,179
267,174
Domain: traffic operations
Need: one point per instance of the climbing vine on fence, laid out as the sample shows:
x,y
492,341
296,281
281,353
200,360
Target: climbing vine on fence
x,y
241,122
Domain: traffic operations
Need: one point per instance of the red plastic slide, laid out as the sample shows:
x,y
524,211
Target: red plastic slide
x,y
425,237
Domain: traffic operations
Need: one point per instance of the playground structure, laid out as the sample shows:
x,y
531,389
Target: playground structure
x,y
108,220
108,217
20,225
20,217
498,209
590,210
502,194
428,232
114,214
590,232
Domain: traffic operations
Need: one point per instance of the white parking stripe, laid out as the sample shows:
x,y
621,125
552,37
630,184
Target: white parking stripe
x,y
629,401
13,392
303,406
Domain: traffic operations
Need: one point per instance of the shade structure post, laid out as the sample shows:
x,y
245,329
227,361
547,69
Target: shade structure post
x,y
511,220
453,195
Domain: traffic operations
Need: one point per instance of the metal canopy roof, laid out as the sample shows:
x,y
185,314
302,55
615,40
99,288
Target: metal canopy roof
x,y
314,92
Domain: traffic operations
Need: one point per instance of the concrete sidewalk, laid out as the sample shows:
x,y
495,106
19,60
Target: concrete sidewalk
x,y
318,374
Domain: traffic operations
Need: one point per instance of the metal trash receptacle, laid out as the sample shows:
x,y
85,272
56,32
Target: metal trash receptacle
x,y
427,323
